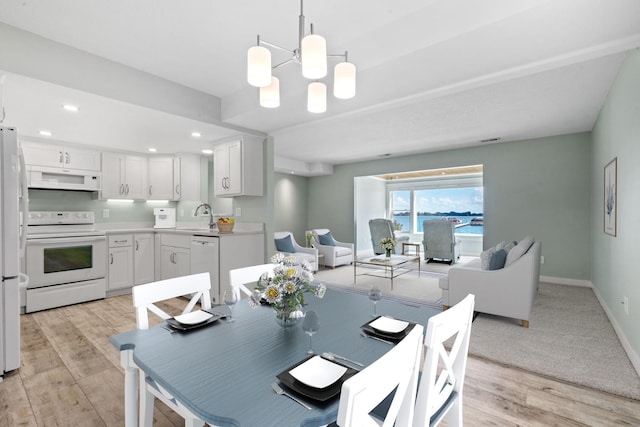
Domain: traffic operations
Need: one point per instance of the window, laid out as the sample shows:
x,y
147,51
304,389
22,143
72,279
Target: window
x,y
456,197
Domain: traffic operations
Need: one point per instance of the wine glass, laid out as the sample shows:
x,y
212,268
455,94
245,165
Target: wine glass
x,y
375,295
310,326
230,299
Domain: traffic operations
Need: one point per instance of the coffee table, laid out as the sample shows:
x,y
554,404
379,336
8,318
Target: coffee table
x,y
394,266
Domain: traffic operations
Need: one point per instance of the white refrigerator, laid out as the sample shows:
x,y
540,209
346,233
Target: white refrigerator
x,y
13,201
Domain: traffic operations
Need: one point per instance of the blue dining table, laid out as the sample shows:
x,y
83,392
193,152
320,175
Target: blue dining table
x,y
223,372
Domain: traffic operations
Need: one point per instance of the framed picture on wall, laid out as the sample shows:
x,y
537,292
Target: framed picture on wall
x,y
610,196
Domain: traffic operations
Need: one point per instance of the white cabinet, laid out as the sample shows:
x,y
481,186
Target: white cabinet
x,y
60,156
190,177
237,168
130,260
124,176
164,180
120,262
143,258
175,255
236,251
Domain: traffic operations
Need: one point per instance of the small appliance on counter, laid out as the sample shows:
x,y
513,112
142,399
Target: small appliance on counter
x,y
165,217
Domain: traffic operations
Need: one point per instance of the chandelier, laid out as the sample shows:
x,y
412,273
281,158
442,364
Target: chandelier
x,y
311,54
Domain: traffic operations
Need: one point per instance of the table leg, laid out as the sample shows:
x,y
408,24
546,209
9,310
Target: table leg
x,y
130,388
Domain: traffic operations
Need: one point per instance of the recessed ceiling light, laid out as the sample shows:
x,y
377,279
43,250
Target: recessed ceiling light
x,y
195,134
70,107
152,150
207,151
45,133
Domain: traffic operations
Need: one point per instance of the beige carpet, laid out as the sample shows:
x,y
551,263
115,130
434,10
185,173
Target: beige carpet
x,y
423,289
569,338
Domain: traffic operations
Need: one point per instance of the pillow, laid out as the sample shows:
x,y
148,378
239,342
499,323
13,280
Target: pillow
x,y
501,245
520,249
285,245
510,246
326,239
485,258
497,260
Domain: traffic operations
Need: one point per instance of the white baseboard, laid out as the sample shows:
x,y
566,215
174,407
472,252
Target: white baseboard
x,y
565,281
633,356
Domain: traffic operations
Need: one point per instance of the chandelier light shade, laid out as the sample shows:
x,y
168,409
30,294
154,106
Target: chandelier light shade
x,y
314,56
317,97
259,66
311,54
270,95
344,80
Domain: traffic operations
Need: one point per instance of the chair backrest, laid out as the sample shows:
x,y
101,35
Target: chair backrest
x,y
195,286
395,370
239,277
380,228
443,372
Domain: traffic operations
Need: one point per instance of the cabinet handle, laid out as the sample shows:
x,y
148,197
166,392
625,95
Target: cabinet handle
x,y
61,157
150,192
67,157
178,189
121,188
120,241
127,187
110,258
137,245
171,257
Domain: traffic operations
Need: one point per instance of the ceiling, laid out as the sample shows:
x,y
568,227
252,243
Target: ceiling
x,y
432,74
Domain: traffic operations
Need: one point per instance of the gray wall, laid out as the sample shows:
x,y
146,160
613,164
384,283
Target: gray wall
x,y
536,187
617,135
290,201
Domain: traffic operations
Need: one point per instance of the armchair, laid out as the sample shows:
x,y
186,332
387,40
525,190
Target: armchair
x,y
286,243
335,253
381,228
439,240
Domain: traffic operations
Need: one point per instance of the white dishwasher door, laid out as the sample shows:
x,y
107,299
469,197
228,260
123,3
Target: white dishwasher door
x,y
204,258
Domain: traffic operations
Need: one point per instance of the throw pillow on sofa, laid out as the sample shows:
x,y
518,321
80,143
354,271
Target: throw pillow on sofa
x,y
497,260
485,258
285,245
520,249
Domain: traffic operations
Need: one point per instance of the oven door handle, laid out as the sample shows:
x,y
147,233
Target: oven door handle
x,y
62,240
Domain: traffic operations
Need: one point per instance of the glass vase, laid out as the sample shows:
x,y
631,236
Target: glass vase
x,y
285,316
387,253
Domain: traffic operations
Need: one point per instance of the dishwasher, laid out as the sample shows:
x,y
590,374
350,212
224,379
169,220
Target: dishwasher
x,y
204,259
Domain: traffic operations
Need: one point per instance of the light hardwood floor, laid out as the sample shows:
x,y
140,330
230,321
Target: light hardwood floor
x,y
71,376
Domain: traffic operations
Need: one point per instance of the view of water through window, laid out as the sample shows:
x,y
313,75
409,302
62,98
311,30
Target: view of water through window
x,y
462,205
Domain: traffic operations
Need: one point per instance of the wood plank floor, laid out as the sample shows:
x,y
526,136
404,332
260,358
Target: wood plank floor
x,y
71,376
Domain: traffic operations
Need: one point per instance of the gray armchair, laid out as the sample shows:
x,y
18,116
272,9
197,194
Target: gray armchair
x,y
439,240
381,228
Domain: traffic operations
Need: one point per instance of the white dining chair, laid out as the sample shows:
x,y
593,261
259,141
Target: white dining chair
x,y
197,287
239,277
442,380
395,370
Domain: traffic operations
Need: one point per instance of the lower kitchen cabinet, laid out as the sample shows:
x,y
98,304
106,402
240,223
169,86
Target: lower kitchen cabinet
x,y
130,260
175,255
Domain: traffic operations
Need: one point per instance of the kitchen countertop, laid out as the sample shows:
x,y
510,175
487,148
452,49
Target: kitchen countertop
x,y
185,228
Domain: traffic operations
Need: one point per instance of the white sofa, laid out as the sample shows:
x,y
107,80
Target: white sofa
x,y
300,252
508,291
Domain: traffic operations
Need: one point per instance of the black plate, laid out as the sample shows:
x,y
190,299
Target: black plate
x,y
318,394
388,336
182,327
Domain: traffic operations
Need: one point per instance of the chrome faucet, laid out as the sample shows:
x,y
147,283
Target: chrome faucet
x,y
212,224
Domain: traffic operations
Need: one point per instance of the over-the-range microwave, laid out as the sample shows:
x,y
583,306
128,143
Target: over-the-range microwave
x,y
62,178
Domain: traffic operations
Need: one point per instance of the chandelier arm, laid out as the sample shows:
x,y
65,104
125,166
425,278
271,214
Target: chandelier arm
x,y
282,63
275,46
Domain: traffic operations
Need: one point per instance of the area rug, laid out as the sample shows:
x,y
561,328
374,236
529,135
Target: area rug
x,y
569,338
422,289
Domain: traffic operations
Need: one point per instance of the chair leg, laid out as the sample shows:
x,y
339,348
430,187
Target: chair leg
x,y
525,323
445,307
454,416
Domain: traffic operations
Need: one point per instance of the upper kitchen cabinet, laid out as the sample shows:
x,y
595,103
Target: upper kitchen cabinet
x,y
175,178
164,178
59,156
237,168
124,176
